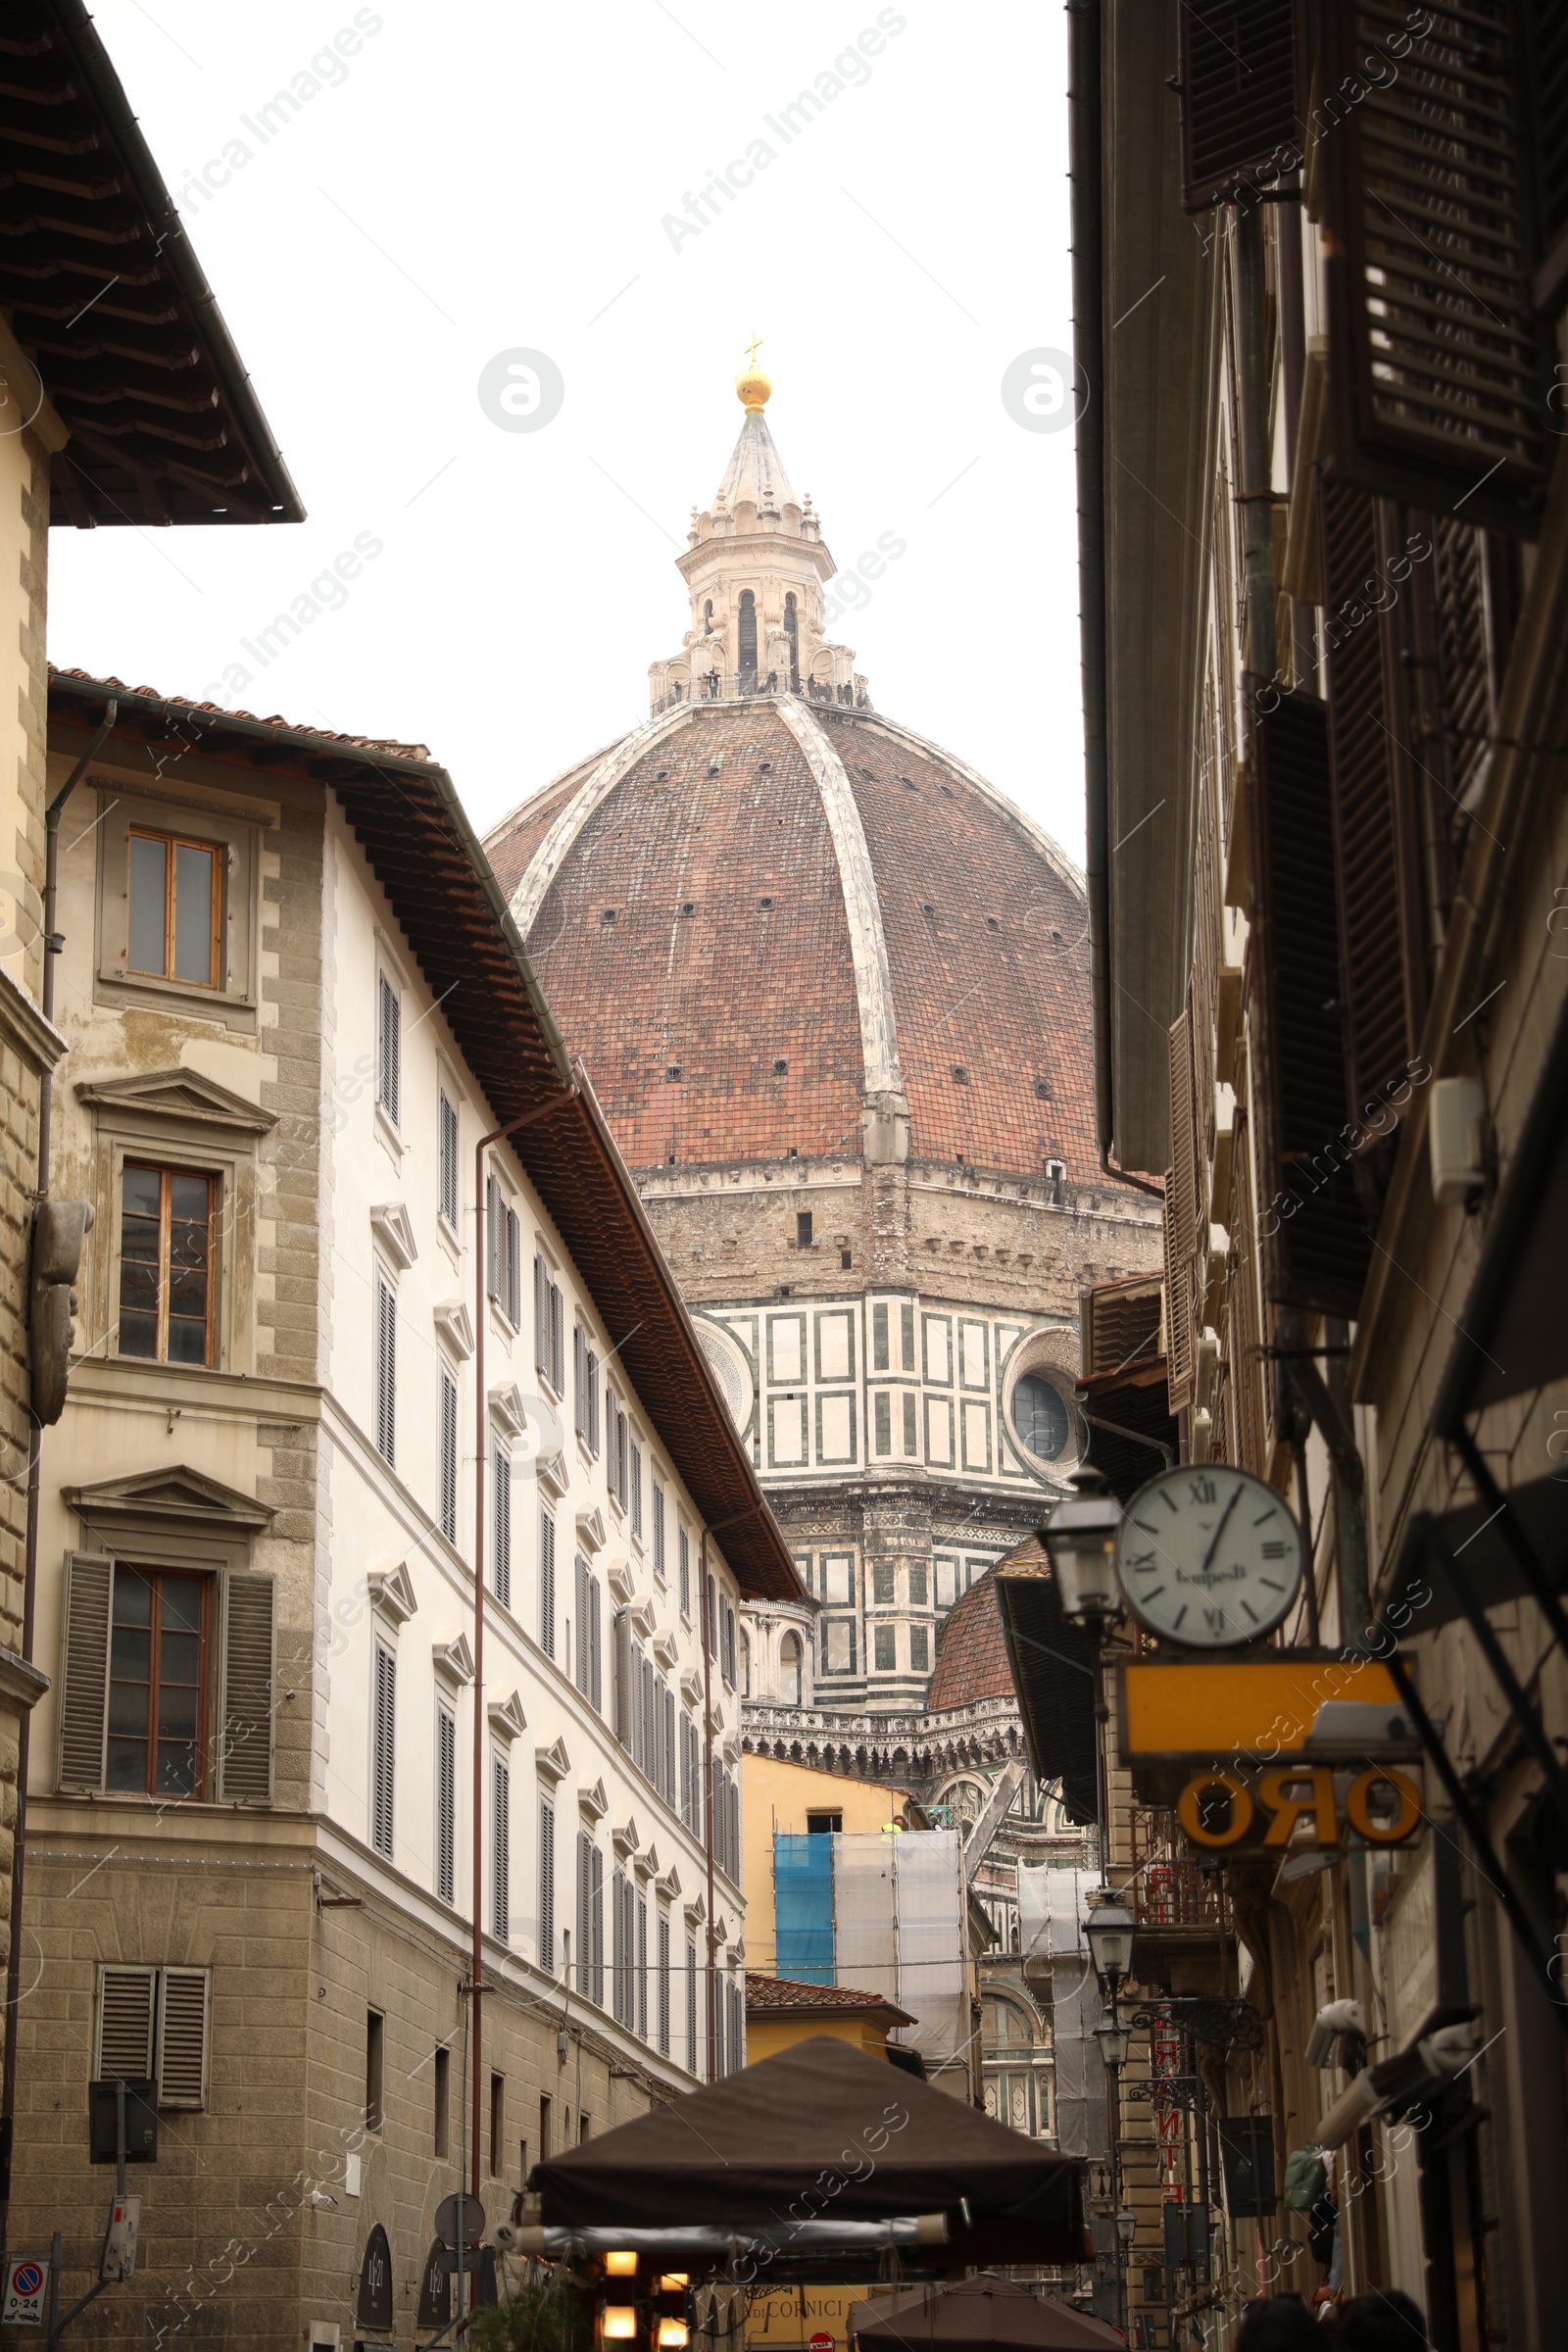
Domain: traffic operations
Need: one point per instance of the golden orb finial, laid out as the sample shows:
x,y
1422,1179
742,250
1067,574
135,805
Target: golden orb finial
x,y
752,386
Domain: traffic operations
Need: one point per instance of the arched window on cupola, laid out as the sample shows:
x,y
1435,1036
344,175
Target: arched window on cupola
x,y
707,618
789,1664
792,630
747,642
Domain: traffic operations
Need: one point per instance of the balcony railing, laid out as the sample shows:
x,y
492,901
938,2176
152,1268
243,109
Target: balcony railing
x,y
1168,1888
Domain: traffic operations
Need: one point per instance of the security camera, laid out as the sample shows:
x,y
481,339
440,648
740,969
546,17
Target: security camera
x,y
322,2201
1332,2022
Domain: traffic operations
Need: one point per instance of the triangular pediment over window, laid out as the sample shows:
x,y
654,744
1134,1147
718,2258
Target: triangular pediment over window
x,y
394,1230
551,1763
669,1884
454,1661
452,1322
178,1095
392,1594
174,1493
506,1717
593,1801
591,1530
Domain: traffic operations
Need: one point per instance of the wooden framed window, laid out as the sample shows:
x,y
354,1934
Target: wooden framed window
x,y
167,1291
159,1673
177,909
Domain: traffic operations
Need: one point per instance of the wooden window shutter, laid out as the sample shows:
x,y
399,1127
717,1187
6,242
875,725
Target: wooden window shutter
x,y
127,2007
246,1713
595,1689
547,1887
391,1049
1245,1432
84,1672
495,1244
1315,1247
547,1584
1438,371
541,1315
1181,1218
446,1804
596,1862
501,1848
383,1749
387,1369
583,1660
183,2012
580,1379
584,1913
1377,849
1241,123
558,1339
621,1631
1546,77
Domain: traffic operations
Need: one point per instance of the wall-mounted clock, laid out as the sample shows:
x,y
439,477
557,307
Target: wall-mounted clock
x,y
1209,1556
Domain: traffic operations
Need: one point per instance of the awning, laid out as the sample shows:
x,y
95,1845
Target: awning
x,y
983,2314
823,2132
1052,1663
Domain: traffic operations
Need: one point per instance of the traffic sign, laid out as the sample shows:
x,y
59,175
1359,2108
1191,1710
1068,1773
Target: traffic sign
x,y
821,2344
120,2239
446,2221
26,2291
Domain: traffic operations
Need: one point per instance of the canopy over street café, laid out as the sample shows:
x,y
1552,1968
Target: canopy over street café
x,y
819,2162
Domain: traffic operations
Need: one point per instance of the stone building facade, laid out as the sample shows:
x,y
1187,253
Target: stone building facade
x,y
831,989
279,1774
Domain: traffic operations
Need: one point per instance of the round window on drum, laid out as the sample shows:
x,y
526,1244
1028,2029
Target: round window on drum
x,y
1040,1418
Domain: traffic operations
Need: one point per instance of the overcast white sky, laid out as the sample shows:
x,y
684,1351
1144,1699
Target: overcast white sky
x,y
484,179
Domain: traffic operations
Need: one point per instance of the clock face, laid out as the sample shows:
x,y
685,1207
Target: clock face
x,y
1209,1556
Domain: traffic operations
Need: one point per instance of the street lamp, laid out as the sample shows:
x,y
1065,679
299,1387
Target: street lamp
x,y
1126,2225
1080,1539
1114,2039
1109,1931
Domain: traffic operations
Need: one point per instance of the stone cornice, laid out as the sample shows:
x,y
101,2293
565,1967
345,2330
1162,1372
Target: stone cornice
x,y
24,1030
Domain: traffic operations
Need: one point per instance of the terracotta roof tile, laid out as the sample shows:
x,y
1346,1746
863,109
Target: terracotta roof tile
x,y
971,1659
773,1996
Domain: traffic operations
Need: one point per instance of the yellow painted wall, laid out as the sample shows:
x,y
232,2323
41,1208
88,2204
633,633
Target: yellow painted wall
x,y
765,2037
778,1797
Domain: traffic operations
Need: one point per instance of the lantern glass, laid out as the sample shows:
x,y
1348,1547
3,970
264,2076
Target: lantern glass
x,y
1126,2224
620,2322
672,2335
1111,1942
620,2265
674,2283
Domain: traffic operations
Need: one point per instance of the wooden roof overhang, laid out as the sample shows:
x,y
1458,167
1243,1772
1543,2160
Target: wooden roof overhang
x,y
405,812
109,303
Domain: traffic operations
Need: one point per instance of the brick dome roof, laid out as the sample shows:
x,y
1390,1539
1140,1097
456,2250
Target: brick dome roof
x,y
771,925
971,1656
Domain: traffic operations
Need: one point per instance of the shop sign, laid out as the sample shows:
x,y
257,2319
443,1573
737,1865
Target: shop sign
x,y
1220,1807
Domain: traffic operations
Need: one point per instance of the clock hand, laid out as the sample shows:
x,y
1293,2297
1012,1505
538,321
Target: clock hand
x,y
1214,1547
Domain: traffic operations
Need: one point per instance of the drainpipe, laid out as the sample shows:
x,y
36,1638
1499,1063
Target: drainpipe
x,y
1255,495
540,1111
52,946
1088,344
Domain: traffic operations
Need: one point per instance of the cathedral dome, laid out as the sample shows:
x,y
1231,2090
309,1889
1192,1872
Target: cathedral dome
x,y
773,923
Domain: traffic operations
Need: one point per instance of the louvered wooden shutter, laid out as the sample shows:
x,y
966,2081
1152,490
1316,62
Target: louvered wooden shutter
x,y
642,1965
1241,122
448,1119
494,1238
387,1369
583,1658
127,2007
514,1270
541,1316
84,1669
1246,1431
383,1749
247,1711
1475,602
1546,75
183,2009
547,1584
501,1570
622,1676
547,1886
1313,1233
558,1339
585,1927
580,1379
449,1457
1181,1218
1438,373
596,1862
595,1689
446,1804
391,1048
501,1849
1375,836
